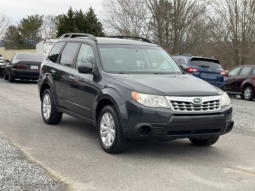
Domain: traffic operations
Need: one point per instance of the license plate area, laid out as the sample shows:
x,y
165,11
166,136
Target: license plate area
x,y
34,67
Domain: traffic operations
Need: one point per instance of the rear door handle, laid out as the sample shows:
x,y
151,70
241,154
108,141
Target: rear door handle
x,y
71,77
53,71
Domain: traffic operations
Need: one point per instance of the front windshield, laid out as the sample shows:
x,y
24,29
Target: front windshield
x,y
136,59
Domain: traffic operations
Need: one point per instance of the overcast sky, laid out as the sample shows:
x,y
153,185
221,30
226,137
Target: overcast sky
x,y
18,9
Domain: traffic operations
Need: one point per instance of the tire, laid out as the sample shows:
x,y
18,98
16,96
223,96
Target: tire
x,y
11,78
51,116
205,142
6,77
248,93
2,73
117,143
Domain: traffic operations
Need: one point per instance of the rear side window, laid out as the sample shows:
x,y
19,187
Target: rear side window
x,y
68,54
211,64
245,71
176,60
253,71
234,72
182,61
53,55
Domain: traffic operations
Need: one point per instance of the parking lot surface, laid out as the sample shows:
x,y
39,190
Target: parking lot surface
x,y
71,151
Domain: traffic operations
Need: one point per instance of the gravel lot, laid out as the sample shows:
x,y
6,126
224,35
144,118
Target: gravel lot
x,y
17,173
244,114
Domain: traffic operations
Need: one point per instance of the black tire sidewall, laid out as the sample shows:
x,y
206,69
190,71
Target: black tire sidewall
x,y
111,110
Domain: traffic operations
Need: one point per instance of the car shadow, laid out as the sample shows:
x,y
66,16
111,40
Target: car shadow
x,y
175,149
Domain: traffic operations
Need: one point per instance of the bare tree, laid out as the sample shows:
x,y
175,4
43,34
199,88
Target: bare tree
x,y
49,26
161,17
4,24
126,17
235,29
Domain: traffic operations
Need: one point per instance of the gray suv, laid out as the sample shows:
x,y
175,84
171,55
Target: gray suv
x,y
129,89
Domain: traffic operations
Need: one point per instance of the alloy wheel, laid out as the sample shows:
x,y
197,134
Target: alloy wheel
x,y
107,129
46,106
247,93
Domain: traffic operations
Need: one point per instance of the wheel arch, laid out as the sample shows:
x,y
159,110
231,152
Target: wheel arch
x,y
47,84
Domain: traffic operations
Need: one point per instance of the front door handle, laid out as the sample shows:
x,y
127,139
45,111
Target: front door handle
x,y
53,71
71,77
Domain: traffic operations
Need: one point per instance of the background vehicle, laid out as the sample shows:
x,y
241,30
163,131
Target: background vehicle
x,y
2,66
241,81
129,89
23,66
206,68
44,46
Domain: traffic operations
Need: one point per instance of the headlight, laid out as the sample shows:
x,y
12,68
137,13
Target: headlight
x,y
150,100
225,99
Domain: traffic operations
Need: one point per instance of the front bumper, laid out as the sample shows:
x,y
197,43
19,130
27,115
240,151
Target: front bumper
x,y
165,124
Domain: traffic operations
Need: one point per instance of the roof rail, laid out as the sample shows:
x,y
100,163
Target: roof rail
x,y
208,56
72,35
144,39
187,54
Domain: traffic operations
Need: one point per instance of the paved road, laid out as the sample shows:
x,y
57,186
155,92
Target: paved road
x,y
71,152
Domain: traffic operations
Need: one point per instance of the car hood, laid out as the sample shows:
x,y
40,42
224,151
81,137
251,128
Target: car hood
x,y
167,85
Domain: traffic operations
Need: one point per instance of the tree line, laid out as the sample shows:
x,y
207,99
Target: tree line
x,y
32,29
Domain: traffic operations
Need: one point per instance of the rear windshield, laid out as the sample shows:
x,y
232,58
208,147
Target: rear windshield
x,y
30,57
212,64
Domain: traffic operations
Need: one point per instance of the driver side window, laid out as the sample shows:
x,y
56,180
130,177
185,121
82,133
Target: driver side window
x,y
85,55
234,72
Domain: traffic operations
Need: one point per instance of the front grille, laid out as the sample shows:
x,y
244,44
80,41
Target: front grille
x,y
186,104
196,132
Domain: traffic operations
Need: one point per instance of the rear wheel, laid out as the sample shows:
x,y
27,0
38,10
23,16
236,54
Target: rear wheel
x,y
110,132
6,77
48,109
11,78
2,73
248,93
205,142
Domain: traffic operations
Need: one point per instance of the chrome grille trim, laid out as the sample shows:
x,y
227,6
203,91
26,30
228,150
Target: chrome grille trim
x,y
186,104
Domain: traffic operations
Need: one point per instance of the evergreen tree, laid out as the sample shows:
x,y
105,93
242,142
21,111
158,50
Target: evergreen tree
x,y
79,22
66,23
12,39
95,27
30,27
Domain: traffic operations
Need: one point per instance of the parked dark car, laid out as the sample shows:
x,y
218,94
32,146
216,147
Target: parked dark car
x,y
2,66
24,66
241,81
129,89
205,68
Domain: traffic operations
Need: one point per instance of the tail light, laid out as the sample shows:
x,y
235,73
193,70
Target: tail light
x,y
191,70
223,73
21,66
41,67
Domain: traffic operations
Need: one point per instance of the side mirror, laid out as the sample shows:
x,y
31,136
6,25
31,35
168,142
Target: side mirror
x,y
184,67
85,68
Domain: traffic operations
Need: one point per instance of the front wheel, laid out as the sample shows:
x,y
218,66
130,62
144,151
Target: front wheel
x,y
6,77
48,109
11,78
248,94
205,142
110,132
